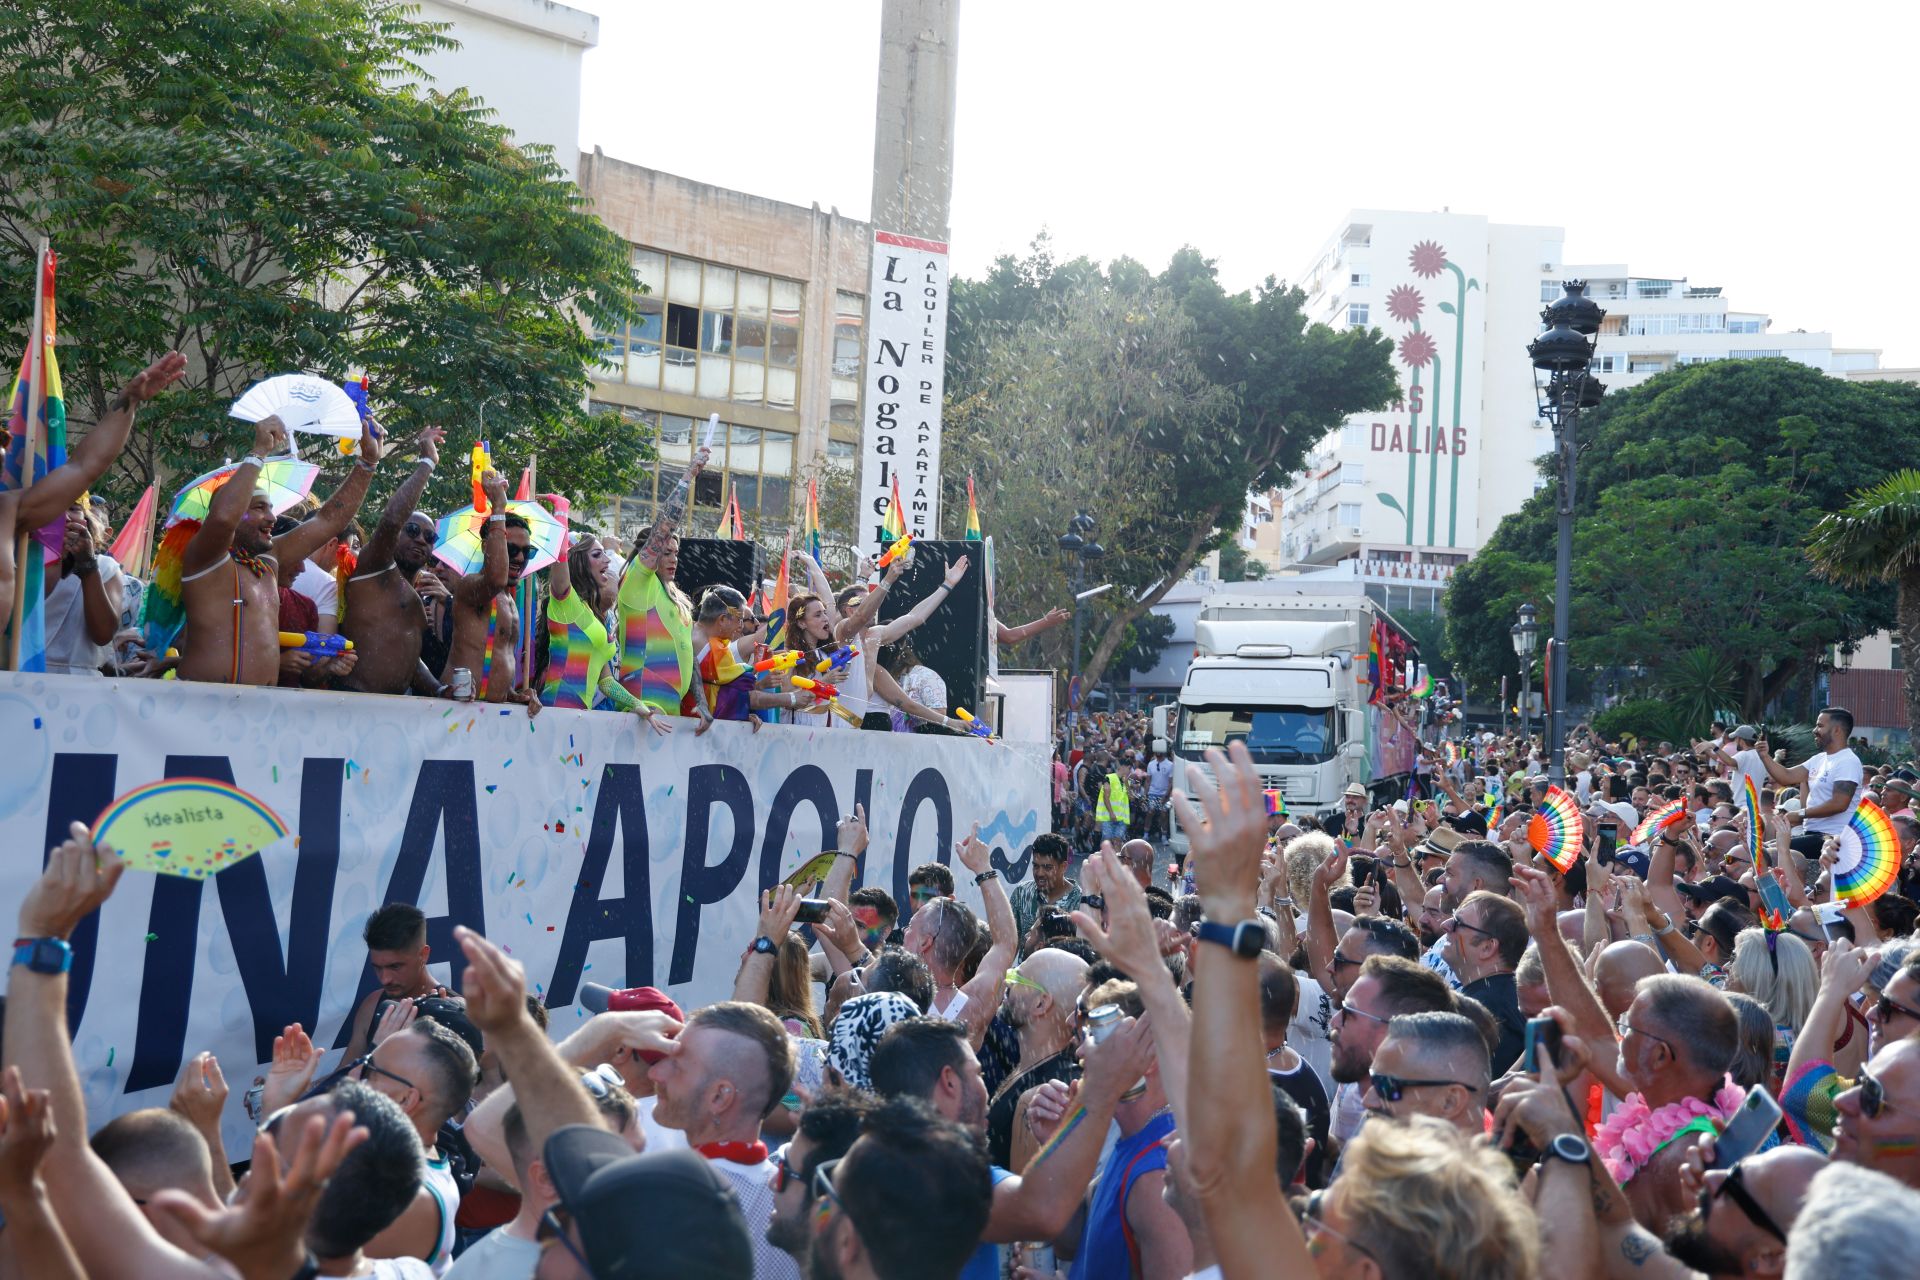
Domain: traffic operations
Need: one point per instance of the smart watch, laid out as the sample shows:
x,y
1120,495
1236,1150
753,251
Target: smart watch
x,y
1246,939
1570,1147
763,945
43,955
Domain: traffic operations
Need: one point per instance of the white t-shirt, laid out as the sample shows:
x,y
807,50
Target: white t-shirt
x,y
659,1137
1746,764
1159,776
319,586
1349,1112
1310,1033
1823,771
497,1256
70,651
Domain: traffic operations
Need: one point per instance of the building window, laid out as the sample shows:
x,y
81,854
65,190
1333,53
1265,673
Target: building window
x,y
1357,313
1550,291
1751,355
713,332
1746,326
1349,514
754,464
1353,473
1653,288
1646,366
1605,364
1353,436
1359,277
1696,359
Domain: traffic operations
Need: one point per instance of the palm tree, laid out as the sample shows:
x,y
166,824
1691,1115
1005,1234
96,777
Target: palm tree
x,y
1876,538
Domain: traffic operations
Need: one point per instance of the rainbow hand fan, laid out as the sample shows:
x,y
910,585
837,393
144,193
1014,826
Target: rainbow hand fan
x,y
1869,860
1756,838
1670,814
1558,830
1276,803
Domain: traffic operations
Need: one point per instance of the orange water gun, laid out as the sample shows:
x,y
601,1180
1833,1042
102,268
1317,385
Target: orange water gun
x,y
482,463
778,662
822,691
895,551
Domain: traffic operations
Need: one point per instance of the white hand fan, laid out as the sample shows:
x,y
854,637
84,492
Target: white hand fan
x,y
304,402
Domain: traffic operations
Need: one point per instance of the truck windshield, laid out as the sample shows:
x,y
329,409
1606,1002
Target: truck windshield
x,y
1275,735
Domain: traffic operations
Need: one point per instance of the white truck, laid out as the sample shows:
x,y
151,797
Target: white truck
x,y
1284,671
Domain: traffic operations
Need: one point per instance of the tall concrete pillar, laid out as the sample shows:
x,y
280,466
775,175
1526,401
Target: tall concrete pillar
x,y
913,117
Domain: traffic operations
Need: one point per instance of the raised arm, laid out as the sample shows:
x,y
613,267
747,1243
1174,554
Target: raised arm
x,y
46,501
893,695
476,589
983,989
310,535
778,906
33,1242
1322,941
379,552
1231,1160
666,521
214,538
1027,630
1843,971
1130,941
906,622
549,1092
1660,890
863,614
1782,775
1567,986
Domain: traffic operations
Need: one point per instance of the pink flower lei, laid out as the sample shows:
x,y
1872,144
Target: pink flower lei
x,y
1631,1136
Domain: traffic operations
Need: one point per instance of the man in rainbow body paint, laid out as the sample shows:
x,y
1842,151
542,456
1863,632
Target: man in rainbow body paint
x,y
930,1059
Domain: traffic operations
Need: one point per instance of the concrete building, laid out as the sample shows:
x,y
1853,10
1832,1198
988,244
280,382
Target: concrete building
x,y
1410,493
523,59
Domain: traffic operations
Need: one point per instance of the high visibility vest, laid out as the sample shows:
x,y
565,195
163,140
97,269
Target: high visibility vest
x,y
1113,805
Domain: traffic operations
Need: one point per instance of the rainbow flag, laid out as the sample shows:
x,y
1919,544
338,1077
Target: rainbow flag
x,y
1376,685
973,514
777,619
36,445
810,534
133,548
896,521
727,529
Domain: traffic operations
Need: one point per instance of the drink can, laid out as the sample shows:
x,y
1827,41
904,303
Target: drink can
x,y
251,1100
461,686
1103,1022
1035,1257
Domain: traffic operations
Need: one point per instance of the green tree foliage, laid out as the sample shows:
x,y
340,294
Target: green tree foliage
x,y
1147,638
1154,402
1236,565
1697,686
260,184
1874,539
1696,494
1649,720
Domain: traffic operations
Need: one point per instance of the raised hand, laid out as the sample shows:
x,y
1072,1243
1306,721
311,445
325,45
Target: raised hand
x,y
201,1092
956,571
26,1135
778,906
495,985
1534,889
1845,966
77,879
975,856
840,929
270,436
399,1016
153,379
851,834
294,1061
1226,832
427,443
1129,939
1047,1106
370,449
494,486
1113,1064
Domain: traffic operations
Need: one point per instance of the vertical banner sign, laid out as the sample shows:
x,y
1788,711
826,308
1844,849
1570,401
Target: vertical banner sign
x,y
905,372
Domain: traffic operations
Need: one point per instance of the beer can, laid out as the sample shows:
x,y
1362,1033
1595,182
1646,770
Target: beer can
x,y
1103,1022
1035,1257
461,686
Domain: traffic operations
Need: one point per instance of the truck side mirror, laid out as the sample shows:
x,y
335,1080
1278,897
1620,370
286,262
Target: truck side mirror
x,y
1160,721
1356,726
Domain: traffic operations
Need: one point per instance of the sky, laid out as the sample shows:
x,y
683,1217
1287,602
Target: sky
x,y
1756,146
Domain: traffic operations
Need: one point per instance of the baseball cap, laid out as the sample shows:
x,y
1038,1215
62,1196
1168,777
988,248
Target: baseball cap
x,y
663,1214
1633,859
1713,889
599,999
1747,733
1791,805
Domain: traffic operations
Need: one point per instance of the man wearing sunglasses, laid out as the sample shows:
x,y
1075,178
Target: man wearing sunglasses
x,y
430,1072
1878,1121
486,620
385,619
827,1129
1431,1064
1744,1213
910,1198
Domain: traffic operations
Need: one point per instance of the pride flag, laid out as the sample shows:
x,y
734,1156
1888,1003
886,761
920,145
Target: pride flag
x,y
727,529
133,549
810,535
777,615
896,521
1376,682
973,514
36,445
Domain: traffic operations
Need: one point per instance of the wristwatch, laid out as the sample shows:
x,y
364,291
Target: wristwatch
x,y
984,876
765,946
1570,1147
43,955
1246,939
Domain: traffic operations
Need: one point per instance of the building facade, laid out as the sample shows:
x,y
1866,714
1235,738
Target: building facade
x,y
1409,493
523,59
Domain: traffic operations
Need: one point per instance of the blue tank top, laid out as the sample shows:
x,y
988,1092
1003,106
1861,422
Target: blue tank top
x,y
985,1262
1103,1242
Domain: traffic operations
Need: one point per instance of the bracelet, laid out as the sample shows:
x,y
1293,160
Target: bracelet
x,y
498,517
1664,929
253,458
86,568
362,463
984,876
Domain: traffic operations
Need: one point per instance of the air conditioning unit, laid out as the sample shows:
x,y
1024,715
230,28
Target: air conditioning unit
x,y
1353,531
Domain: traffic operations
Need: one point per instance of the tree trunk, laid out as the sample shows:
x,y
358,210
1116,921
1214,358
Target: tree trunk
x,y
1116,631
1907,610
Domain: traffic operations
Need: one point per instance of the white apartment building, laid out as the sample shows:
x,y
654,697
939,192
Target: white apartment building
x,y
523,58
1410,492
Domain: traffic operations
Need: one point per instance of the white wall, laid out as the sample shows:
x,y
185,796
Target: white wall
x,y
523,58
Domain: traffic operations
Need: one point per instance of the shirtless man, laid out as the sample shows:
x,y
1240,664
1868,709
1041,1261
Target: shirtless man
x,y
42,503
385,618
229,572
486,621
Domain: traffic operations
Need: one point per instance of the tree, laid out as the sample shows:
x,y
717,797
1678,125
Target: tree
x,y
260,184
1697,491
1876,538
1156,403
1147,639
1236,565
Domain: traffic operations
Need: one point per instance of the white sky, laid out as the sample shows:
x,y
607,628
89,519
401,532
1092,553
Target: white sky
x,y
1754,146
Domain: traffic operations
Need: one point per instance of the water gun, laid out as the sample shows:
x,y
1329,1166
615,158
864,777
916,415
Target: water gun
x,y
895,551
847,653
778,661
482,463
974,727
356,389
822,691
317,643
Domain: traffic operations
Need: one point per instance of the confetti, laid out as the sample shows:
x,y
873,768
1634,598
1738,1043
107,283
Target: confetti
x,y
508,764
471,723
153,937
569,739
491,788
549,928
503,713
504,947
109,1057
588,967
560,828
36,722
446,713
529,917
276,773
669,790
452,727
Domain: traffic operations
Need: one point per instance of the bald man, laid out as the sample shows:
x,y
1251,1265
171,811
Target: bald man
x,y
1039,1003
1138,855
1621,966
1720,1236
1431,1064
153,1150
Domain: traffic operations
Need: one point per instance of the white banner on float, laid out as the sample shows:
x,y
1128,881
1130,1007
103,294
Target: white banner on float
x,y
905,374
591,849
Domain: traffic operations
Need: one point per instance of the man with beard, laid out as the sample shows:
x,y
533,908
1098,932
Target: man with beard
x,y
385,619
1831,779
1050,889
909,1199
930,1059
1431,1064
229,580
486,619
397,951
942,933
1388,986
826,1130
1040,1005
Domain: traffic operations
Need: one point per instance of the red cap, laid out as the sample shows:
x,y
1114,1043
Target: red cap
x,y
603,999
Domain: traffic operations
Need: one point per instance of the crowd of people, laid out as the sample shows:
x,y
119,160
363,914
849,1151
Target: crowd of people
x,y
1389,1041
248,593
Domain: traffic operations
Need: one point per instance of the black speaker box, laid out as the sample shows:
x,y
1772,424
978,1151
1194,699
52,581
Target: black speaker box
x,y
715,562
954,640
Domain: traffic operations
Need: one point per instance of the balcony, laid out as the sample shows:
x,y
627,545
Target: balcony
x,y
1399,571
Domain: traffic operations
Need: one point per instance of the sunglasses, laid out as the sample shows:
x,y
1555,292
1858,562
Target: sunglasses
x,y
1887,1007
1734,1188
1014,979
1393,1088
1455,922
518,553
363,1063
827,1199
602,1080
1346,1009
1341,962
1873,1096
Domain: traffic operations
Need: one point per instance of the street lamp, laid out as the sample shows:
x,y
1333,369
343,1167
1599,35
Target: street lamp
x,y
1564,352
1078,546
1526,634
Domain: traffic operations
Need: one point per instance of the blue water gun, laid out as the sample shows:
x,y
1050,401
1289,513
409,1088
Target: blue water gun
x,y
845,654
974,727
317,643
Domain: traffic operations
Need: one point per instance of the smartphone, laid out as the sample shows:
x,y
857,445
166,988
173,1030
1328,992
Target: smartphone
x,y
812,911
1758,1116
1773,897
1542,1034
1609,840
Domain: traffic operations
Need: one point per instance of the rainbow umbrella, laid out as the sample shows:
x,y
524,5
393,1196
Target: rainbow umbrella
x,y
287,481
459,546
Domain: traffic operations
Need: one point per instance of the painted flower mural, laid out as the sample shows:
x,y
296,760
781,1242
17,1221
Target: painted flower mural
x,y
1405,304
1417,350
1427,259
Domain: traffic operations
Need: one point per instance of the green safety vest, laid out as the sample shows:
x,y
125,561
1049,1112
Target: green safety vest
x,y
1113,805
